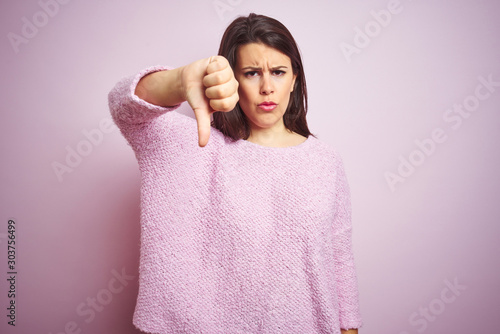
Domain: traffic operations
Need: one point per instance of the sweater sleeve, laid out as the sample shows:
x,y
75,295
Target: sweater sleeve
x,y
346,279
131,114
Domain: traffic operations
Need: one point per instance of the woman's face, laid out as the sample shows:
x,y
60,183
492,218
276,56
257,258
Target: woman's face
x,y
266,80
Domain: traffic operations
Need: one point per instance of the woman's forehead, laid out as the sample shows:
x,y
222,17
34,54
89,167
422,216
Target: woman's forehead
x,y
261,55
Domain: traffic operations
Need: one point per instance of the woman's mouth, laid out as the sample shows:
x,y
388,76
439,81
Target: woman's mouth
x,y
267,106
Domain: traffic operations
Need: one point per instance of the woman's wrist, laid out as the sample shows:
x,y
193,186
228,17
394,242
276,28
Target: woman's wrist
x,y
162,88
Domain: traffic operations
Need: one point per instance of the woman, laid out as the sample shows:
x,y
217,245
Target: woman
x,y
246,225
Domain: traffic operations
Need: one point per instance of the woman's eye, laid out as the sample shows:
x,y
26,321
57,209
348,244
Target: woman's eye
x,y
278,73
251,73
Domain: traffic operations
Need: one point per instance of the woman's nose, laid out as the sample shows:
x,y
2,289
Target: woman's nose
x,y
266,86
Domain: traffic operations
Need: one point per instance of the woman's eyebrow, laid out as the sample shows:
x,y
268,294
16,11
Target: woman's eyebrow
x,y
254,68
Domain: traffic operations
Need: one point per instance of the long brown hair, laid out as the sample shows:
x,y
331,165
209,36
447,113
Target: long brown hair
x,y
263,29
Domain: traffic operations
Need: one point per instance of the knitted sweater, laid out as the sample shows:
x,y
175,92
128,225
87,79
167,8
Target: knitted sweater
x,y
237,237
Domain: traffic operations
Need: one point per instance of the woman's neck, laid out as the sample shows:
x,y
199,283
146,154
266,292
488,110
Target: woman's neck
x,y
275,138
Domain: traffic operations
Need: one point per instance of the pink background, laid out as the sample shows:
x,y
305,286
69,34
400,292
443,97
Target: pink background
x,y
439,227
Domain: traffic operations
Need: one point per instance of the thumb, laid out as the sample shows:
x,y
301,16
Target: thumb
x,y
203,120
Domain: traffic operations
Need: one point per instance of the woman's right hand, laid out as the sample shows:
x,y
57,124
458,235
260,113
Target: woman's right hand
x,y
208,85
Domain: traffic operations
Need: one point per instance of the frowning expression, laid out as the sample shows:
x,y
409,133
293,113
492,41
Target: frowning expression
x,y
266,80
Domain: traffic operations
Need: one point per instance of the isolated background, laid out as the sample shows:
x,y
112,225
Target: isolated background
x,y
441,223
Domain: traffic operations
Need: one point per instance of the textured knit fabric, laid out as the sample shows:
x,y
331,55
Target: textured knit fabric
x,y
237,237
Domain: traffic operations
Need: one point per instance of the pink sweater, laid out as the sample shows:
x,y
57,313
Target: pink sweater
x,y
237,237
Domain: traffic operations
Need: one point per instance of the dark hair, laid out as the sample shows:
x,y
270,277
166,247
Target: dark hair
x,y
262,29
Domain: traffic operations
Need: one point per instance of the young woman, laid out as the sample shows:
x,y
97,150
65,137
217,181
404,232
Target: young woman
x,y
246,224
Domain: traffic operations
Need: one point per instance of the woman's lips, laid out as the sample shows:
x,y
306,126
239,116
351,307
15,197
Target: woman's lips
x,y
267,106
